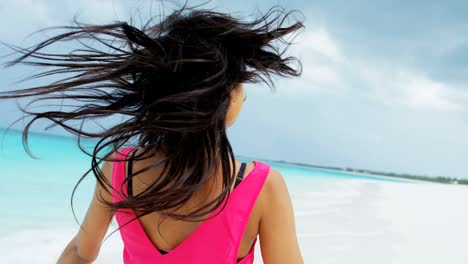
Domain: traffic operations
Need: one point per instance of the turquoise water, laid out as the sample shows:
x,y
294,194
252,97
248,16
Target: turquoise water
x,y
36,192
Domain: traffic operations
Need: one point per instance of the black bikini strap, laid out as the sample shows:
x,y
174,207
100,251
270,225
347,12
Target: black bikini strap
x,y
240,175
129,172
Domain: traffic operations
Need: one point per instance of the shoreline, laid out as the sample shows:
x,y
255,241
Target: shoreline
x,y
351,171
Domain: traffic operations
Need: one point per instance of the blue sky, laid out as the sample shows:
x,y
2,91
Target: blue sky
x,y
384,85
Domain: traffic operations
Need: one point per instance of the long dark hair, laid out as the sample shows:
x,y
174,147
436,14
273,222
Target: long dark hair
x,y
172,80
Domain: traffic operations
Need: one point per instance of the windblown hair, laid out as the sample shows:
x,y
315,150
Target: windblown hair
x,y
172,80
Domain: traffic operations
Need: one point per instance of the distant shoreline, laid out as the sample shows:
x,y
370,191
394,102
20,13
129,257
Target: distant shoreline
x,y
364,172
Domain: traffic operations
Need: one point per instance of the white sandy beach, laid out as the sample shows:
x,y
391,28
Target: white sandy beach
x,y
383,222
345,221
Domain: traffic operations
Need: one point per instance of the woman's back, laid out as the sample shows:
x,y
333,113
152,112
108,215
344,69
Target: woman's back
x,y
229,237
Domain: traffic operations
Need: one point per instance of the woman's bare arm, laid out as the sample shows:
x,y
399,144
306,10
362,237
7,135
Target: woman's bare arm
x,y
278,239
84,247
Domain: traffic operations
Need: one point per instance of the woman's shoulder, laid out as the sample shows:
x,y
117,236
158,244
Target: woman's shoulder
x,y
274,182
274,190
274,179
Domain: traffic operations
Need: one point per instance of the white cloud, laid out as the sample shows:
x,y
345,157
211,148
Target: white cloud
x,y
328,69
319,42
397,86
421,92
321,60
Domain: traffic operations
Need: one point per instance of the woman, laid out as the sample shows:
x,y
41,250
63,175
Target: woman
x,y
178,194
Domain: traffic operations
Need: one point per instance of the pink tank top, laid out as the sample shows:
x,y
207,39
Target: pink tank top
x,y
215,240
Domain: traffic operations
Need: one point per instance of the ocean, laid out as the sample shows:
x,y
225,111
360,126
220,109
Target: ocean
x,y
340,217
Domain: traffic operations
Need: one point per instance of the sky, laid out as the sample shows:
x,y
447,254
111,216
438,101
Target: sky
x,y
384,84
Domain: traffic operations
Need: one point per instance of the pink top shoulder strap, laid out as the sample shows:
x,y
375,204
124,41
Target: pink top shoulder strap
x,y
216,240
119,191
